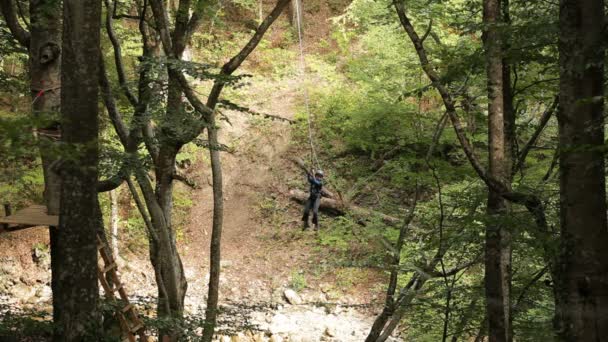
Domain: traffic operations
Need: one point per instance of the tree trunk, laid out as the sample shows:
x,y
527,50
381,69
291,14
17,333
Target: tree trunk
x,y
45,67
216,233
498,239
114,222
75,291
583,289
391,299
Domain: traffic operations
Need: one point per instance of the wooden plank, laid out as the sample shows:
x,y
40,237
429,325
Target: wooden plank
x,y
34,215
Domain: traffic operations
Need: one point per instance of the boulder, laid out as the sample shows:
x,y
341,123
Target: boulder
x,y
226,263
259,337
330,331
276,338
292,297
44,294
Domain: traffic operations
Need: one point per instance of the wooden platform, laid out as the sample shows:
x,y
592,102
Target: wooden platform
x,y
35,215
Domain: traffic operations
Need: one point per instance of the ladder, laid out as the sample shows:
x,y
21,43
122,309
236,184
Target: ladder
x,y
130,323
36,216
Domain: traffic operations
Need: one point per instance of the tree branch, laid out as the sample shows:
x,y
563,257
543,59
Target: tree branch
x,y
184,179
531,202
180,36
113,112
228,68
10,17
230,105
453,271
524,291
427,32
541,126
120,69
115,181
238,59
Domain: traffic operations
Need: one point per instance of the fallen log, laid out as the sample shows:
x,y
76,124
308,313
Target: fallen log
x,y
339,208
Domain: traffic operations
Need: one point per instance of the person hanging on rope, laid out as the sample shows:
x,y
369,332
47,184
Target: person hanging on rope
x,y
314,199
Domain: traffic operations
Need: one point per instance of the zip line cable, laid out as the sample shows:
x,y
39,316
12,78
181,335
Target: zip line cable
x,y
313,152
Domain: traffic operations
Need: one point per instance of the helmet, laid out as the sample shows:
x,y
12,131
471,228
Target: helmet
x,y
319,173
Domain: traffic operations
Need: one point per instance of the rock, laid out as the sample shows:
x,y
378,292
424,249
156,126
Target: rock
x,y
41,255
44,293
235,338
259,337
22,292
292,297
330,331
226,263
276,338
224,339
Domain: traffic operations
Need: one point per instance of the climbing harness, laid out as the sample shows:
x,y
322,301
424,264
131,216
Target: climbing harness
x,y
313,153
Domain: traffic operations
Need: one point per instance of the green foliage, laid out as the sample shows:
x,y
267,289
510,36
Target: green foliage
x,y
297,280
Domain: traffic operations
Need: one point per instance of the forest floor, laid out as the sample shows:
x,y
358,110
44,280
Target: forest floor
x,y
264,250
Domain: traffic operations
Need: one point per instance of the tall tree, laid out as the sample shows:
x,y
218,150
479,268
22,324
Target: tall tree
x,y
583,288
176,127
75,291
43,42
498,240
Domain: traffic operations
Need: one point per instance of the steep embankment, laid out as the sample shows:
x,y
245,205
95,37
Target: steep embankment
x,y
264,250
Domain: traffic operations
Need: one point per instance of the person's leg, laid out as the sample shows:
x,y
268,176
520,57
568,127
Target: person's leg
x,y
307,208
315,212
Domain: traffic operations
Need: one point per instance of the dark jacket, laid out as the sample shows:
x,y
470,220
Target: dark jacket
x,y
316,186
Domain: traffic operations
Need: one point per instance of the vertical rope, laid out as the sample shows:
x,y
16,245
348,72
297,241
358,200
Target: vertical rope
x,y
313,152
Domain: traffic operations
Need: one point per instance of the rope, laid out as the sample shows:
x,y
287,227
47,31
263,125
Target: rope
x,y
41,92
313,153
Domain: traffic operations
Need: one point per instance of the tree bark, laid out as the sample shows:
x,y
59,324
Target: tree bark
x,y
114,222
216,232
45,68
75,287
583,289
497,239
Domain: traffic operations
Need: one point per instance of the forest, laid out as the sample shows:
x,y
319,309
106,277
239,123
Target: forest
x,y
161,162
